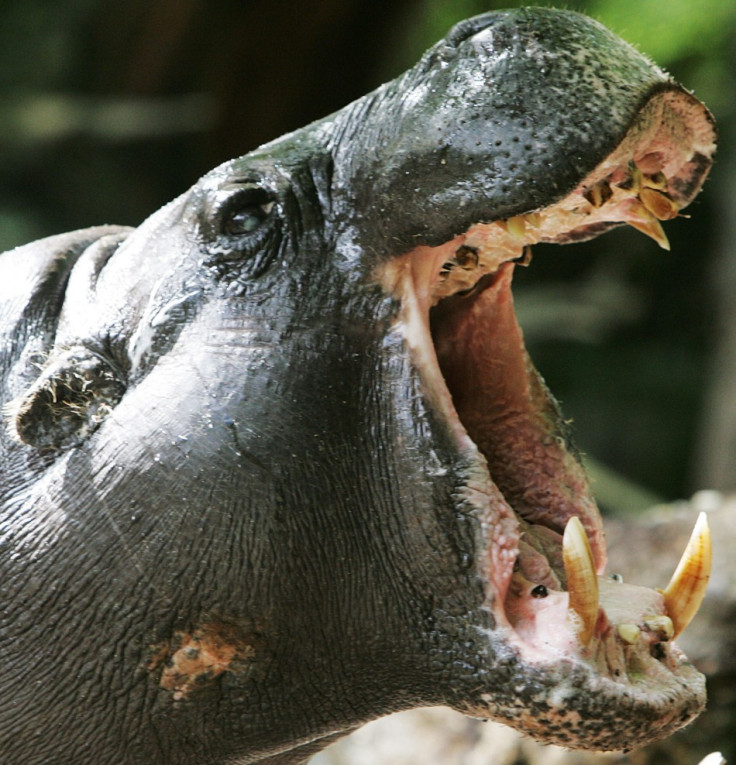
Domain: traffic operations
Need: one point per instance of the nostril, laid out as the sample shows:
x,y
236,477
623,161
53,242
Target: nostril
x,y
466,29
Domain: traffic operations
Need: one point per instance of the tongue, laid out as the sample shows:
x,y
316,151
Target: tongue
x,y
508,412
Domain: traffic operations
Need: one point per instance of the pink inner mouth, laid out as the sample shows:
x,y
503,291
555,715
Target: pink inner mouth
x,y
511,417
515,423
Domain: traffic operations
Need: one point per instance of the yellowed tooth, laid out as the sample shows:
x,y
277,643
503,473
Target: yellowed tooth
x,y
633,181
637,177
525,258
466,257
582,582
686,590
660,205
642,220
516,226
662,626
656,180
599,193
629,633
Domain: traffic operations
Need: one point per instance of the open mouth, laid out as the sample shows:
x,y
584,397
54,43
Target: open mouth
x,y
546,553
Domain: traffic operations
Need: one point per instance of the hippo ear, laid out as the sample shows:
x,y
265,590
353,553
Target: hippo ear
x,y
75,392
76,386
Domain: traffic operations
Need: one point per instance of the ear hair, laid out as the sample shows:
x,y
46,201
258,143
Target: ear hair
x,y
76,390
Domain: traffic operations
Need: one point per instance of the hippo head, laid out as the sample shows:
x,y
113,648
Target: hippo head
x,y
277,462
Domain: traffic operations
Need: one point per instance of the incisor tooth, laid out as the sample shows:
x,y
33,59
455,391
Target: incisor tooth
x,y
662,626
466,257
633,181
629,633
516,226
657,180
582,582
686,590
599,193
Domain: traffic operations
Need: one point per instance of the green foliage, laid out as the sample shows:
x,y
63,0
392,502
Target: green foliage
x,y
689,37
668,30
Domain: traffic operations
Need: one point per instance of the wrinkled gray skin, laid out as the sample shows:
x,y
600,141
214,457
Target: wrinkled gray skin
x,y
231,526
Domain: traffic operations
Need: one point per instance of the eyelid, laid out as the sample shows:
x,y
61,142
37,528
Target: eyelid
x,y
242,197
239,199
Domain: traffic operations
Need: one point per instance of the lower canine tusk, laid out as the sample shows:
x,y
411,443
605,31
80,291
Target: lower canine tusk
x,y
582,581
686,590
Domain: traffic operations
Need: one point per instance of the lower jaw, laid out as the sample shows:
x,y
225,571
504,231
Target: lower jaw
x,y
624,686
570,705
525,484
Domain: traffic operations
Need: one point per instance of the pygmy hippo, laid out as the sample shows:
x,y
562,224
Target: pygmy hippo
x,y
276,462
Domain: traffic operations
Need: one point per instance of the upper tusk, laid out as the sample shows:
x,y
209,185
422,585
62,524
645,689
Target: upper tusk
x,y
582,581
643,220
686,590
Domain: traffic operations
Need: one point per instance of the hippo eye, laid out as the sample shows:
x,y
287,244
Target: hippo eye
x,y
245,211
241,227
247,219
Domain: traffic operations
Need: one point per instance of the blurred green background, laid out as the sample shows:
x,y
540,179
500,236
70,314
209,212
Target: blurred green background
x,y
109,110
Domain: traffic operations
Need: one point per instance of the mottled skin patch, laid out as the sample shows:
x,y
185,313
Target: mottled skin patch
x,y
194,659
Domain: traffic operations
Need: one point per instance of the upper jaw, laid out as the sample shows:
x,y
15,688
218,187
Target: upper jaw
x,y
496,124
